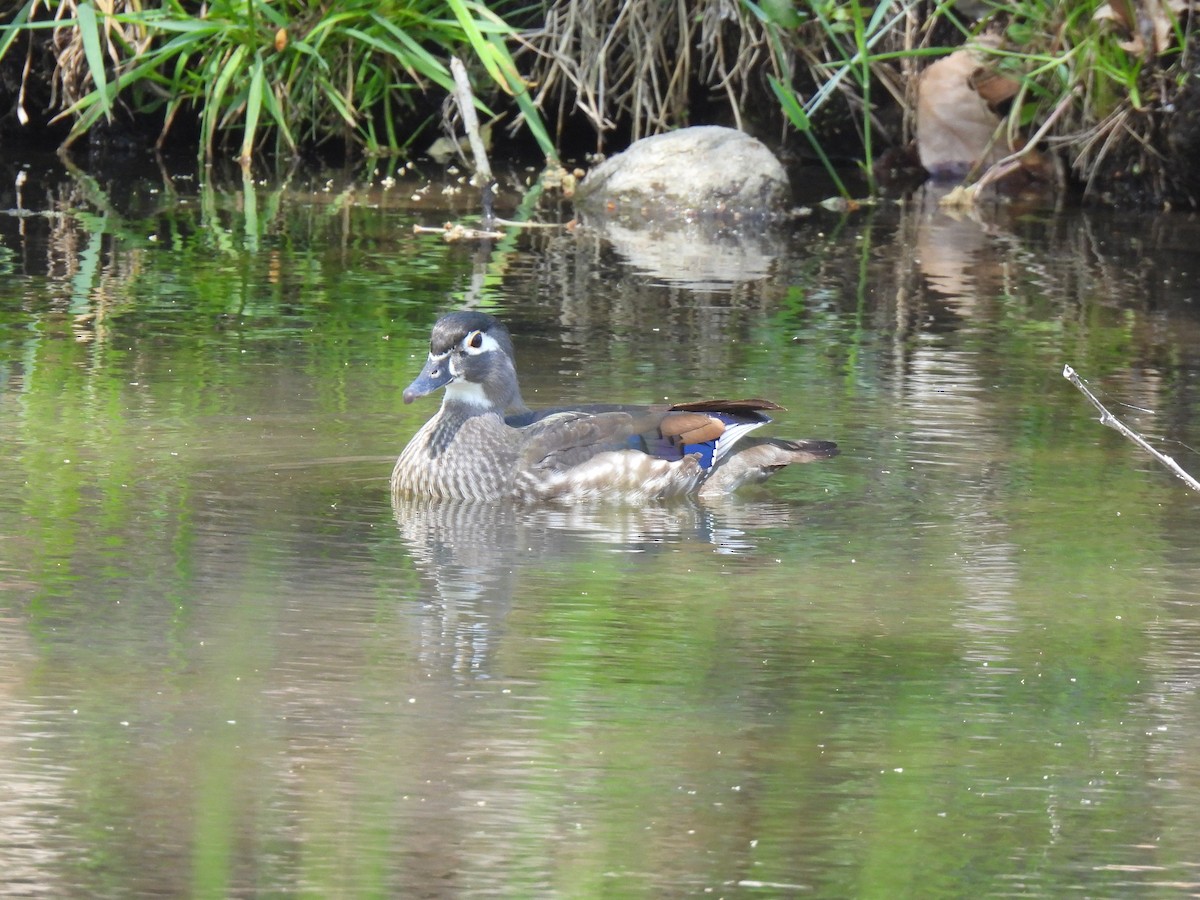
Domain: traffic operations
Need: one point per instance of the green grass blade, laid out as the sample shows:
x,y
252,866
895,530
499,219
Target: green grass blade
x,y
160,23
419,62
520,92
417,57
254,103
13,28
271,104
215,97
336,99
791,106
794,110
479,44
89,31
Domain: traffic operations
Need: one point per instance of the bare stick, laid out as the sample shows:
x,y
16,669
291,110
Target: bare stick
x,y
1107,418
452,232
465,98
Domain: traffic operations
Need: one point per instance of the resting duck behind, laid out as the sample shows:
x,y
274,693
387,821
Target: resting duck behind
x,y
485,444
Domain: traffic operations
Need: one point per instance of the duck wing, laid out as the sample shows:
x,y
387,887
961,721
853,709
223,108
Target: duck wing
x,y
562,440
558,439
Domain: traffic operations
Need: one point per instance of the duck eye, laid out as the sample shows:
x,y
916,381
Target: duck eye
x,y
475,339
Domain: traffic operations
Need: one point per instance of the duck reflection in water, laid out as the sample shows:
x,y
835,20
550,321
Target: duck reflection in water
x,y
485,444
475,559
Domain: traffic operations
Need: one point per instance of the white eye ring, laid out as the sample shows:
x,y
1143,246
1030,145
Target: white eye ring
x,y
477,342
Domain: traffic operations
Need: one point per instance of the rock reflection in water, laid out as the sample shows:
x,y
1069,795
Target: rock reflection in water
x,y
700,255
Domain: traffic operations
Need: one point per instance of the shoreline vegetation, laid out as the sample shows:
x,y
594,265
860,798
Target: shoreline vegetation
x,y
1098,98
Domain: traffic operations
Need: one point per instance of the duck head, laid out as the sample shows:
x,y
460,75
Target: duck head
x,y
471,356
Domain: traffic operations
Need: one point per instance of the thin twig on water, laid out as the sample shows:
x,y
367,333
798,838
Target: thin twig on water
x,y
1107,418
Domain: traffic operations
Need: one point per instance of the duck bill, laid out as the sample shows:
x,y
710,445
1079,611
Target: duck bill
x,y
436,374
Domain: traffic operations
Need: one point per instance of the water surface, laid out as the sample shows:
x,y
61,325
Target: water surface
x,y
959,660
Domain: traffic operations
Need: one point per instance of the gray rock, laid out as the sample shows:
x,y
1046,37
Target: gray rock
x,y
705,171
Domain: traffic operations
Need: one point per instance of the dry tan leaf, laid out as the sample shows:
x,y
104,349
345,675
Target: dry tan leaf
x,y
955,127
993,87
1164,14
1144,20
1122,15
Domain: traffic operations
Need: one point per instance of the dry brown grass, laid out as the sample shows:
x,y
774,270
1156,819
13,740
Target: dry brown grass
x,y
638,64
634,62
121,41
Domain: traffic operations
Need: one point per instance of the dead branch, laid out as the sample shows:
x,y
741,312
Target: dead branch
x,y
1107,418
465,98
451,232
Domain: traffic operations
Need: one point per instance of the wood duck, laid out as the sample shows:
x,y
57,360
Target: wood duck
x,y
485,444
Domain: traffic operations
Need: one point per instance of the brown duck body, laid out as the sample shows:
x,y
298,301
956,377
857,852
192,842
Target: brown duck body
x,y
470,450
